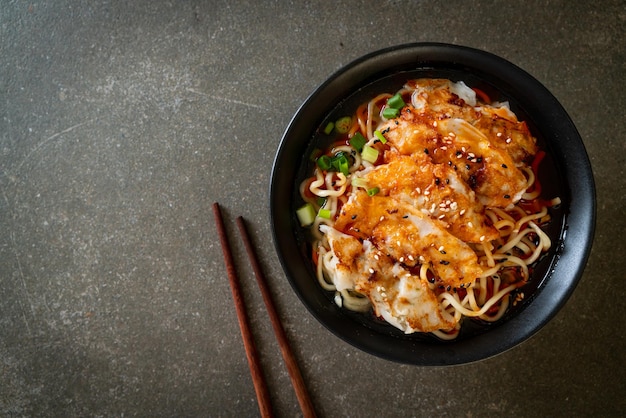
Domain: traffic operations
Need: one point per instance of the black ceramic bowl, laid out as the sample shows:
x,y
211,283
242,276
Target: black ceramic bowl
x,y
566,173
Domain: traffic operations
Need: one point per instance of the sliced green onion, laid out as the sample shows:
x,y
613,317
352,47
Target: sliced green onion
x,y
390,112
306,214
329,128
396,101
324,213
324,162
378,134
369,154
343,124
315,154
372,191
359,182
358,141
340,163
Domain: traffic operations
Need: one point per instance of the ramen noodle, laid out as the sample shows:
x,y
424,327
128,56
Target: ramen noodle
x,y
426,208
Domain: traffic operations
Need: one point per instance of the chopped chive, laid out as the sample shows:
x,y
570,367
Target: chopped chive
x,y
342,125
380,136
390,112
324,162
329,128
324,213
358,141
340,163
359,182
315,154
306,214
396,101
372,191
369,154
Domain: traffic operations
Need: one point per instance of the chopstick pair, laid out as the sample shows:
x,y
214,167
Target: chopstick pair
x,y
260,386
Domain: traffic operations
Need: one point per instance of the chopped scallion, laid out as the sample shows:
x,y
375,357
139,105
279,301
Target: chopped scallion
x,y
396,101
329,128
358,141
359,182
306,214
315,154
324,162
378,134
372,191
324,213
369,154
343,124
340,163
390,112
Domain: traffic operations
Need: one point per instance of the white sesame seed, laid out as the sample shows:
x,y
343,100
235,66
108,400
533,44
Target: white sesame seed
x,y
399,244
441,216
440,248
382,218
471,225
411,257
401,259
462,212
508,140
435,124
371,271
453,205
452,134
499,134
482,238
418,190
426,192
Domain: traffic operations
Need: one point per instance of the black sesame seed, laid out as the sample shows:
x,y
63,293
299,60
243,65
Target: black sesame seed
x,y
353,217
425,150
506,196
504,166
444,262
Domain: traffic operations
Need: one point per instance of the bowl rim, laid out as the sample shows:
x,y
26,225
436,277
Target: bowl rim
x,y
576,236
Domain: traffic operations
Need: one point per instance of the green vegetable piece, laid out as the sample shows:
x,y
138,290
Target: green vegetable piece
x,y
324,213
390,112
329,128
324,162
369,154
342,125
340,163
378,134
306,214
396,102
372,191
358,141
359,182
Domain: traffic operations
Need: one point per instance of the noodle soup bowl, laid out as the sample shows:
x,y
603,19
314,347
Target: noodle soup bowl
x,y
565,173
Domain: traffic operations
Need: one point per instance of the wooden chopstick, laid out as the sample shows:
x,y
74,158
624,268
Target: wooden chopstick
x,y
292,365
260,386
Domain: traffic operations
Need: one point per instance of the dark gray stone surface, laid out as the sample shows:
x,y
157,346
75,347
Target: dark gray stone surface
x,y
122,122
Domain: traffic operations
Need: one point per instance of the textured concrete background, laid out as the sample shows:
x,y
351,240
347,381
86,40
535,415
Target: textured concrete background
x,y
122,122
